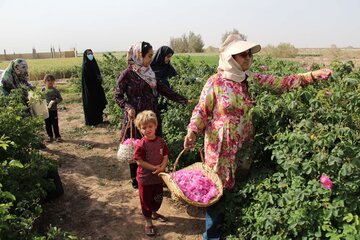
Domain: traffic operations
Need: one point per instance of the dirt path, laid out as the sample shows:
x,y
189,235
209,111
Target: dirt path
x,y
99,202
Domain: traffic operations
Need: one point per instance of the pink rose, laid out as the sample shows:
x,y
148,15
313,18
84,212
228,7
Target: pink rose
x,y
326,182
131,141
195,185
324,76
308,67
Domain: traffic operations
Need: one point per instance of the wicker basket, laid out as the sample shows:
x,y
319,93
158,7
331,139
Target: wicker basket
x,y
206,170
125,152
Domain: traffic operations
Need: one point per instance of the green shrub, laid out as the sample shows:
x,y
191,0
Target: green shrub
x,y
23,169
300,135
309,132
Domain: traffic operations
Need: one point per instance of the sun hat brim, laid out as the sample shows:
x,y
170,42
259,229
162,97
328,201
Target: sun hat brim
x,y
242,46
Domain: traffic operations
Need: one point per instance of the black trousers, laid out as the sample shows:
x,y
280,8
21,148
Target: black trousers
x,y
133,169
52,123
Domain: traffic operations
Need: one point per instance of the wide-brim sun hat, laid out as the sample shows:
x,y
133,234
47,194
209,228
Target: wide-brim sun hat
x,y
234,45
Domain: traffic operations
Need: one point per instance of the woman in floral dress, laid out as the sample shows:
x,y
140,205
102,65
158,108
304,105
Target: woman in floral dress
x,y
223,111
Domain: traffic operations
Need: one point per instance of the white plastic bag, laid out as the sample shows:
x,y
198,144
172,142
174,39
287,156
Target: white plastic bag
x,y
38,107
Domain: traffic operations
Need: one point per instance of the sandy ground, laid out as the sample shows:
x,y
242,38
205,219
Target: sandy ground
x,y
99,201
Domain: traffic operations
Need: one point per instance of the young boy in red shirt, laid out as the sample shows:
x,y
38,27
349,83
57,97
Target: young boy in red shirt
x,y
151,155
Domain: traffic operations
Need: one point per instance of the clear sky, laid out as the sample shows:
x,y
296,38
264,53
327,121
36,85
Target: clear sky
x,y
113,25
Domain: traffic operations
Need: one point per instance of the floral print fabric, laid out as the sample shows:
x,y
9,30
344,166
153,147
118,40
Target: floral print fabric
x,y
223,111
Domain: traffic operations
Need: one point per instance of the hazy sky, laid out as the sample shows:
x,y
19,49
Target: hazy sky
x,y
113,25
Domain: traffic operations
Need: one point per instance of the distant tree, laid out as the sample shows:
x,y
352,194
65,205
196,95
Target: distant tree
x,y
195,42
234,31
179,44
191,43
287,50
283,50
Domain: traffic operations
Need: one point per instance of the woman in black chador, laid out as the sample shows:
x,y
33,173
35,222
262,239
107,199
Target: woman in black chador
x,y
93,96
163,71
161,65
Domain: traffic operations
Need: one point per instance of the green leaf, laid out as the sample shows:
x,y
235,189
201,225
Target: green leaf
x,y
16,163
348,218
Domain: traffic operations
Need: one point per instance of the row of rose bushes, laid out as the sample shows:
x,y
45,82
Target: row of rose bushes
x,y
24,181
303,136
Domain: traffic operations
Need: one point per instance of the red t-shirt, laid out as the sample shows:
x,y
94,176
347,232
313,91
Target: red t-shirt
x,y
153,152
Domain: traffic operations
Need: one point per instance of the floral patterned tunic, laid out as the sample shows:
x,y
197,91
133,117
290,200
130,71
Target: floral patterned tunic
x,y
223,111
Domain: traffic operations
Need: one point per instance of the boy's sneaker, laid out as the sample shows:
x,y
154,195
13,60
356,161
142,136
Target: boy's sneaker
x,y
49,140
59,139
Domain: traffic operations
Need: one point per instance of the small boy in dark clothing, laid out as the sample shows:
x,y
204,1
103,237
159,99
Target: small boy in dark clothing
x,y
53,97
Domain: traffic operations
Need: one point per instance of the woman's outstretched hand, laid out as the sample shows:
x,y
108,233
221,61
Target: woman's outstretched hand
x,y
321,74
189,140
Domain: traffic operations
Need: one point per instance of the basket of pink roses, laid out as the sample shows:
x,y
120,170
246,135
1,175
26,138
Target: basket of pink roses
x,y
197,184
126,149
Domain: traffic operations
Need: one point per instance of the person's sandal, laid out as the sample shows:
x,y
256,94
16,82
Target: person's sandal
x,y
59,139
149,230
159,217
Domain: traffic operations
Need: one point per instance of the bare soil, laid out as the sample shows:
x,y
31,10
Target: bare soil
x,y
99,201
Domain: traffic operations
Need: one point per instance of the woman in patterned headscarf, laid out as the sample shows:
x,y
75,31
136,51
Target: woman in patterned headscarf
x,y
16,75
137,90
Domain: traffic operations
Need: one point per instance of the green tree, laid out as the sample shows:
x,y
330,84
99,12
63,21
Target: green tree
x,y
283,50
195,43
234,31
187,43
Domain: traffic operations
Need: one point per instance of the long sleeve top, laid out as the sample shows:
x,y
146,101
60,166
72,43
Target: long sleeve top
x,y
132,92
223,111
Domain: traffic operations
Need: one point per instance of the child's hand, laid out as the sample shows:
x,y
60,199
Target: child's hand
x,y
158,169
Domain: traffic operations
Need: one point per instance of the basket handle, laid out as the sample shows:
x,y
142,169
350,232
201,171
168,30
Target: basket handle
x,y
128,125
181,153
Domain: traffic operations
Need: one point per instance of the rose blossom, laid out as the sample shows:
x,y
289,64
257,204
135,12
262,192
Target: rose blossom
x,y
131,141
195,185
326,182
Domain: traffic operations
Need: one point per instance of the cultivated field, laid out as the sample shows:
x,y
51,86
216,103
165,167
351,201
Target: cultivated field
x,y
67,67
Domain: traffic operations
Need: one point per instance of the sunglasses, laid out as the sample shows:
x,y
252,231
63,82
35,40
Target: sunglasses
x,y
246,54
